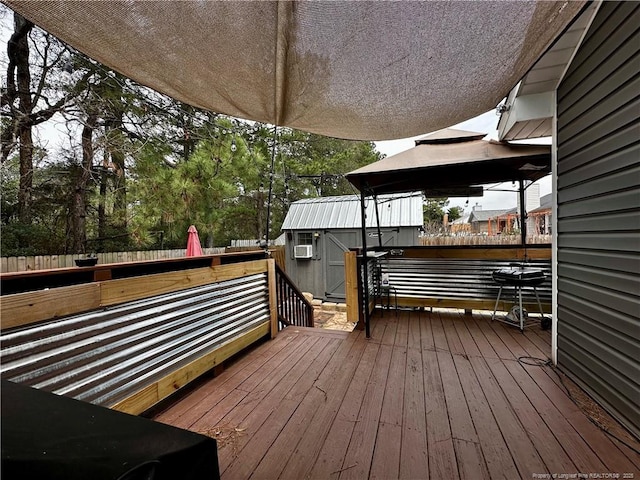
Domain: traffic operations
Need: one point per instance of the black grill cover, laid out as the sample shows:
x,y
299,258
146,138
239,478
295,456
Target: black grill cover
x,y
519,276
46,437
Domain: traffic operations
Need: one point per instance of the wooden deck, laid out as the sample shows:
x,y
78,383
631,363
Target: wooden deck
x,y
437,395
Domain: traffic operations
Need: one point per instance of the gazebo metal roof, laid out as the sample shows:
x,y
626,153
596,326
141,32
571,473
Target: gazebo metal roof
x,y
450,164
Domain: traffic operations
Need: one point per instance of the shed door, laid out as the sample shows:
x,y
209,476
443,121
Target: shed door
x,y
336,244
599,213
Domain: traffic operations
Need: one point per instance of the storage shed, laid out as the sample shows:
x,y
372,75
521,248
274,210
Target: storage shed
x,y
319,231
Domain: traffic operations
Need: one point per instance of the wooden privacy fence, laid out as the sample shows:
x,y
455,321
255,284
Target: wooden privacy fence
x,y
482,240
47,262
128,343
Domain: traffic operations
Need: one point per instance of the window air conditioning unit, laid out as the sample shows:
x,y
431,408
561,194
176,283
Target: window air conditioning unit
x,y
303,251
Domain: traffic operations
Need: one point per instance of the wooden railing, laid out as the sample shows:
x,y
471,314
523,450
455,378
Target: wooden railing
x,y
448,277
293,307
127,335
129,342
58,277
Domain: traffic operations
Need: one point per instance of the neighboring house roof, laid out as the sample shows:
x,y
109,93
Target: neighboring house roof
x,y
461,220
485,215
400,210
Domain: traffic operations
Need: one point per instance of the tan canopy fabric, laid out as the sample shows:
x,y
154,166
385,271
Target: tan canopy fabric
x,y
361,70
450,161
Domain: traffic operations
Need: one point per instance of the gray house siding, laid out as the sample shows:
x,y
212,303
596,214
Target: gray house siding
x,y
598,196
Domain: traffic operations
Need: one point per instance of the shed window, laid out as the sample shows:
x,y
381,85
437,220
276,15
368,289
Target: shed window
x,y
305,238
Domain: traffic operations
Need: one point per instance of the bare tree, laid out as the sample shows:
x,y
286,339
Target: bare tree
x,y
26,103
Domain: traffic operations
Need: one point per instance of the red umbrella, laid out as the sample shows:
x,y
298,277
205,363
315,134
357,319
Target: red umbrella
x,y
193,243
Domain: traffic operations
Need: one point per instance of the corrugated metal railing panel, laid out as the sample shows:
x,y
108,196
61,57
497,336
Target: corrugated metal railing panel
x,y
104,356
373,278
456,278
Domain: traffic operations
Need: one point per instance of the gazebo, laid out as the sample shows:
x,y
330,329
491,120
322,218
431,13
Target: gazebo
x,y
451,162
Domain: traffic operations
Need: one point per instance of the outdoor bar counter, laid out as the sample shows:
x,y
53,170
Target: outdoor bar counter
x,y
47,436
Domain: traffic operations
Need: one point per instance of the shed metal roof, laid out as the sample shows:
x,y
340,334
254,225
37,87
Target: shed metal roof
x,y
399,210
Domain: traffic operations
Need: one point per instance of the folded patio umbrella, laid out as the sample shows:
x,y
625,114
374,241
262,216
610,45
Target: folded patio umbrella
x,y
193,243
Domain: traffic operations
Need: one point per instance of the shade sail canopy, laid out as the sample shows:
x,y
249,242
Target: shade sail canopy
x,y
450,161
360,70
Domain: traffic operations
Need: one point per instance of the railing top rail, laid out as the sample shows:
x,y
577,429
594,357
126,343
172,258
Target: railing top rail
x,y
483,252
532,246
119,265
16,282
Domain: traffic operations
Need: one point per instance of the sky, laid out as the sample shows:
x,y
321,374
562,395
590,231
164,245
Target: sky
x,y
491,200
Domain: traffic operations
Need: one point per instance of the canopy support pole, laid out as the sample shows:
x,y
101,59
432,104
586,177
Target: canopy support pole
x,y
273,161
365,266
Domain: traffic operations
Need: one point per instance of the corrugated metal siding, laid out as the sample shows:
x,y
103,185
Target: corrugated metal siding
x,y
401,210
599,213
104,356
459,279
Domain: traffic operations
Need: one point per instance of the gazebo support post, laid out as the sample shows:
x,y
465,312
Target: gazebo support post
x,y
523,216
365,266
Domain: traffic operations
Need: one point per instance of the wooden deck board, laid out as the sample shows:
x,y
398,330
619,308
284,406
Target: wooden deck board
x,y
315,434
495,450
247,417
386,458
471,462
192,407
402,331
357,462
518,441
431,395
414,454
466,339
549,449
484,327
442,456
426,331
439,335
572,443
334,448
257,449
608,453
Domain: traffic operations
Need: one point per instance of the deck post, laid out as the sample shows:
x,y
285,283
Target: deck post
x,y
351,286
273,296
